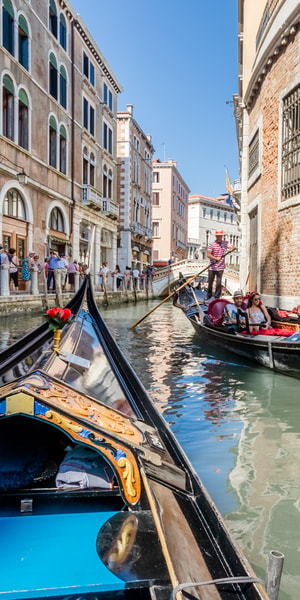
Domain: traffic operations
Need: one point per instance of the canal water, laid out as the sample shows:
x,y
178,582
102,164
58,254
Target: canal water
x,y
238,424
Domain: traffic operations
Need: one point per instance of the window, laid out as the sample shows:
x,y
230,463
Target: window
x,y
156,177
155,226
203,213
107,97
23,133
155,199
88,69
23,42
52,142
63,150
53,75
62,32
253,157
88,116
13,205
107,138
107,183
56,220
63,87
88,167
8,107
290,184
53,18
8,27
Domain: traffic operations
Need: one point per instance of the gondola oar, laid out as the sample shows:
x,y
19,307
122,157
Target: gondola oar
x,y
177,290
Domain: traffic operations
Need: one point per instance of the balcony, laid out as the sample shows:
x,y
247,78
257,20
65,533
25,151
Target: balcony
x,y
91,198
110,208
180,245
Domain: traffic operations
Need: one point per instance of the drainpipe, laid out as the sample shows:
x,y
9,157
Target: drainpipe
x,y
72,125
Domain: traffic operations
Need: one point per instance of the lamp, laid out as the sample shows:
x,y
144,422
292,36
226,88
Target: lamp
x,y
22,177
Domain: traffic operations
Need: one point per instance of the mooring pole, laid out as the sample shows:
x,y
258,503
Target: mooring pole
x,y
274,572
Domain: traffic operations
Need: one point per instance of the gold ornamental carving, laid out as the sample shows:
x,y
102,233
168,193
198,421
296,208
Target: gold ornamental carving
x,y
71,401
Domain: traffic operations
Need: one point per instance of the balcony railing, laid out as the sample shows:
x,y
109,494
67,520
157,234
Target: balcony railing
x,y
90,197
110,208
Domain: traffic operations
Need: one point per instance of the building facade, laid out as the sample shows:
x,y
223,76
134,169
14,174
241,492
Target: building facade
x,y
134,153
169,213
267,110
58,134
205,217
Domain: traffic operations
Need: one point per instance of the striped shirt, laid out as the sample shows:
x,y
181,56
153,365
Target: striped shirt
x,y
218,249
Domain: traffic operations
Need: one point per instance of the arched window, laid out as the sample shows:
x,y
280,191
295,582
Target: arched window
x,y
53,76
13,205
23,37
63,150
62,31
53,18
8,107
92,169
105,182
23,136
56,220
63,87
88,167
52,142
109,191
8,27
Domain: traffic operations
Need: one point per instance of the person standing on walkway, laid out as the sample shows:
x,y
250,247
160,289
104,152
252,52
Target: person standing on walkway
x,y
13,268
62,267
52,264
72,268
216,252
26,270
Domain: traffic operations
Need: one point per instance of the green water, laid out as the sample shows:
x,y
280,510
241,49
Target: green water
x,y
238,424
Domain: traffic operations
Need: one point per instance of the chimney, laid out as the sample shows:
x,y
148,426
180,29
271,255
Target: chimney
x,y
130,108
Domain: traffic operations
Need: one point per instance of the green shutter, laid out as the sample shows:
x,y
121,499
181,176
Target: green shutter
x,y
23,24
63,132
53,61
23,97
7,5
63,72
52,123
8,84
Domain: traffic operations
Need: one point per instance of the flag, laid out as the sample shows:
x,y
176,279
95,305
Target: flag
x,y
228,200
229,188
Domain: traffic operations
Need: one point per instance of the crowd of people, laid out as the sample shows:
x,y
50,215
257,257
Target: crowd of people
x,y
57,265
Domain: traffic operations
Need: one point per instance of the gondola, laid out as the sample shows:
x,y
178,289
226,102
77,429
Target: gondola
x,y
97,498
279,352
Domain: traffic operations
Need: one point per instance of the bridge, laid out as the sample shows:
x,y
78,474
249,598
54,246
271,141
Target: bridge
x,y
164,279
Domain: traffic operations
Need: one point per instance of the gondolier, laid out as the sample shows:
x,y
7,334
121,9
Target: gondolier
x,y
216,252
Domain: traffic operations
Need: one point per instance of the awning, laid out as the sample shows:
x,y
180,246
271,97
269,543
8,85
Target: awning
x,y
135,249
146,252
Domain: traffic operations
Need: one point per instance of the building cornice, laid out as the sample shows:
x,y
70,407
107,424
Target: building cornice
x,y
90,43
283,27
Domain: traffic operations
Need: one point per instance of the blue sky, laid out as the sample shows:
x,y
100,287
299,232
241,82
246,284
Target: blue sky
x,y
177,64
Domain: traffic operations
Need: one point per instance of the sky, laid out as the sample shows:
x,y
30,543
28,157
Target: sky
x,y
176,62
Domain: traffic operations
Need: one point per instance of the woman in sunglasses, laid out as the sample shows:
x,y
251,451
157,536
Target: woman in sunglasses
x,y
258,315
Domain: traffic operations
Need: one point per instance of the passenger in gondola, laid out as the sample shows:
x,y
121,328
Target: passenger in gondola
x,y
258,315
235,317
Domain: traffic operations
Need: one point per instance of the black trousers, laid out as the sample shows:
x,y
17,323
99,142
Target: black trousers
x,y
211,276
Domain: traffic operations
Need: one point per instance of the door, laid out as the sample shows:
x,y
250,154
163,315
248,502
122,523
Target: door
x,y
252,277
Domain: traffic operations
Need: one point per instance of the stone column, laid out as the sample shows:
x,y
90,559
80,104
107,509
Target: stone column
x,y
76,281
34,288
4,280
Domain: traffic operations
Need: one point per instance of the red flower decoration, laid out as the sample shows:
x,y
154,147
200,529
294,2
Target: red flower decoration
x,y
58,317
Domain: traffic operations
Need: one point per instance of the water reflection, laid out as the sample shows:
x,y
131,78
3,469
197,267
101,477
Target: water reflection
x,y
238,424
